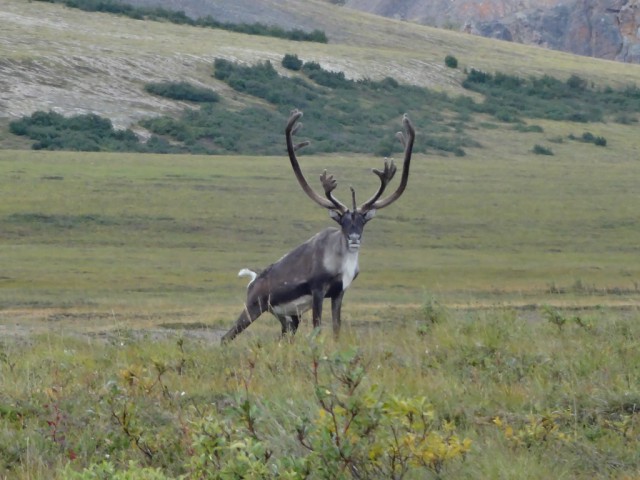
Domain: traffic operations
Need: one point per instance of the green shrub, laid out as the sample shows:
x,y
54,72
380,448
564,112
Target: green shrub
x,y
575,82
88,132
589,137
179,17
354,431
600,141
528,128
182,91
292,62
541,150
548,97
451,61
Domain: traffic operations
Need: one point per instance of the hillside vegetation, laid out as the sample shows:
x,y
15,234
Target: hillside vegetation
x,y
348,113
78,62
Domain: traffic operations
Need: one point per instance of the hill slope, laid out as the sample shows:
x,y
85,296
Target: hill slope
x,y
58,58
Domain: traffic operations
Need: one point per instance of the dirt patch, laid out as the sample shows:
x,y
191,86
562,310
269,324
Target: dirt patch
x,y
111,327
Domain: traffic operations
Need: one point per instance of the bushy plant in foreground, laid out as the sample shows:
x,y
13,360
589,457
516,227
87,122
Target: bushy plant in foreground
x,y
352,430
537,399
356,432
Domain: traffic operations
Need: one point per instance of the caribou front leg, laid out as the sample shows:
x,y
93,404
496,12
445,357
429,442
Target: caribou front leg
x,y
336,308
316,307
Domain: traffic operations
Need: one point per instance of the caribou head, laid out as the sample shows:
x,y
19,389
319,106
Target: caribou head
x,y
325,265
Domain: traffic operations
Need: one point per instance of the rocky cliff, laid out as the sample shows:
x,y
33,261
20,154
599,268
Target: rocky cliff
x,y
607,29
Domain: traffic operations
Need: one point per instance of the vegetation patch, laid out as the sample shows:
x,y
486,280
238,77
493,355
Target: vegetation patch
x,y
541,150
348,115
178,16
88,132
512,98
588,137
479,392
182,91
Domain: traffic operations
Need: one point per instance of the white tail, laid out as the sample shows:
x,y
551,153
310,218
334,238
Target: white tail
x,y
245,272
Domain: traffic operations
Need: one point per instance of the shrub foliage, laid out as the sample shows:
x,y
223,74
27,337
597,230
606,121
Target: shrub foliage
x,y
88,132
512,98
182,91
461,399
179,17
347,115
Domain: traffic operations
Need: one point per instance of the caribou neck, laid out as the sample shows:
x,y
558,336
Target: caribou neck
x,y
338,258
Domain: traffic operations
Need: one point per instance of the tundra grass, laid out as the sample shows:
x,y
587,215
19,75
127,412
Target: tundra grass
x,y
502,287
533,399
500,224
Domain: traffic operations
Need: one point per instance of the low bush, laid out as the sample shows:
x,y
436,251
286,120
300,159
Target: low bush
x,y
541,150
182,91
551,98
292,62
178,16
588,137
451,61
88,132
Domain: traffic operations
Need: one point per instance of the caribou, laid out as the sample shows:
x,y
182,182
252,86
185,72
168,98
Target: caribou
x,y
325,265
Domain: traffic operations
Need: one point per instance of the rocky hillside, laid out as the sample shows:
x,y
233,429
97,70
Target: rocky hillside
x,y
608,29
74,62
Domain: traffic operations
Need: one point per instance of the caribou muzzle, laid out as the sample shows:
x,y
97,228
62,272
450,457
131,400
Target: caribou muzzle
x,y
353,241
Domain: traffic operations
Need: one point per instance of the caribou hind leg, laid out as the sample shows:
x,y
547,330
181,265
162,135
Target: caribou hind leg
x,y
246,318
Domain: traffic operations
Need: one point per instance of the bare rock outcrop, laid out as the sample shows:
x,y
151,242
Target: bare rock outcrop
x,y
608,29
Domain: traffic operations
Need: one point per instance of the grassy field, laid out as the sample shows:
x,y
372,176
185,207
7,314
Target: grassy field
x,y
497,301
109,230
428,393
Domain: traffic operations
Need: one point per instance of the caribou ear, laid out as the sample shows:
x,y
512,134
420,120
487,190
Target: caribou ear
x,y
337,216
369,215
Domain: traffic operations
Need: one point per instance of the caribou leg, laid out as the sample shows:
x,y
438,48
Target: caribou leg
x,y
246,318
317,297
289,325
336,307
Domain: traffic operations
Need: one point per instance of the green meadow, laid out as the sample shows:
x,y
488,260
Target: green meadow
x,y
492,333
501,224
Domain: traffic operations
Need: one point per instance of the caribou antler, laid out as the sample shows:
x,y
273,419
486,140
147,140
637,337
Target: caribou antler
x,y
385,176
329,183
293,126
